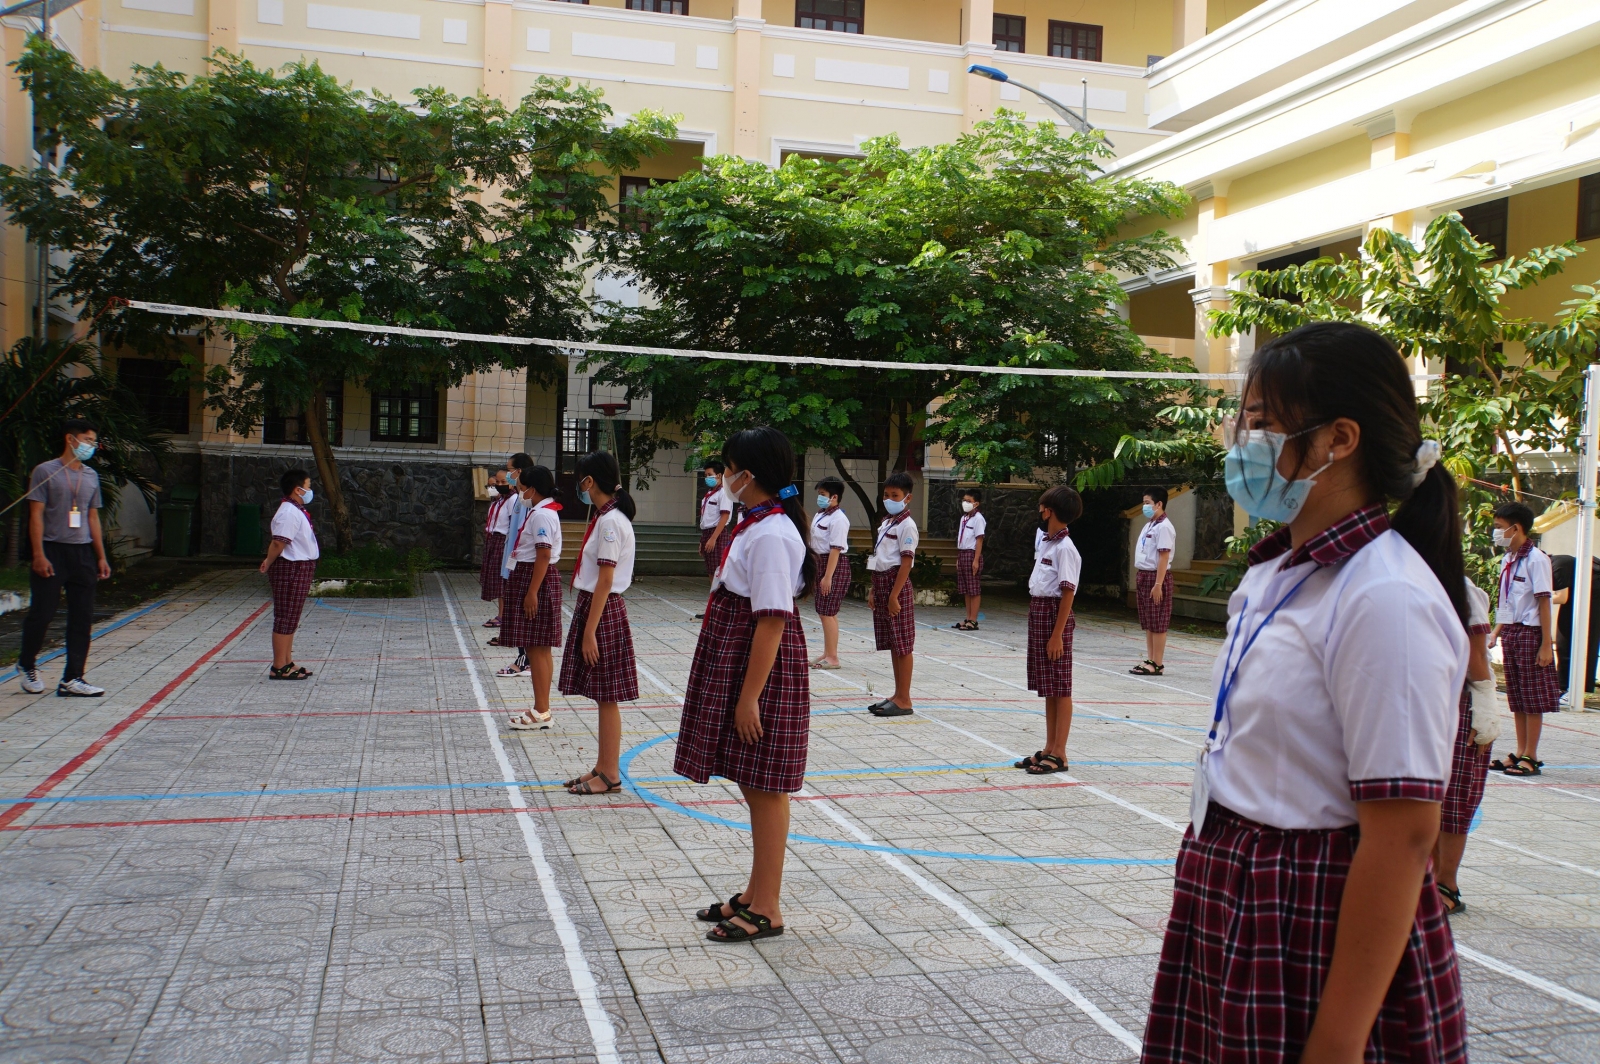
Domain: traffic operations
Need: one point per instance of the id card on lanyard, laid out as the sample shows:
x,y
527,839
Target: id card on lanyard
x,y
1200,792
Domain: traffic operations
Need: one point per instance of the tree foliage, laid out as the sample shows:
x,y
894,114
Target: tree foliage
x,y
995,250
290,193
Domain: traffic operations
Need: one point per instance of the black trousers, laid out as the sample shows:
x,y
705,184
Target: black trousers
x,y
77,570
1564,651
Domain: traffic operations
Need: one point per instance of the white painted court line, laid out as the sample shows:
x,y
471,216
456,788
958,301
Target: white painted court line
x,y
977,923
949,901
1143,679
1494,964
601,1033
1545,857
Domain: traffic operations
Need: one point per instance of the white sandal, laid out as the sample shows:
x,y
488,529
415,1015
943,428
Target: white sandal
x,y
531,721
820,664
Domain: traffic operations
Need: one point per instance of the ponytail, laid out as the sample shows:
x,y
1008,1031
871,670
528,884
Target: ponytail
x,y
602,468
543,481
766,454
1329,370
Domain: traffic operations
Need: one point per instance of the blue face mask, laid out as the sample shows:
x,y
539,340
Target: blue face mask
x,y
511,478
711,482
305,499
583,497
1149,511
1251,473
894,506
83,451
824,501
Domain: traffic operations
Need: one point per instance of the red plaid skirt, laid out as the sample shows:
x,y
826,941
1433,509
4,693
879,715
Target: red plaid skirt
x,y
489,578
707,744
966,574
291,583
614,678
1249,941
1045,677
1152,617
543,629
1529,688
1469,768
709,557
897,635
829,600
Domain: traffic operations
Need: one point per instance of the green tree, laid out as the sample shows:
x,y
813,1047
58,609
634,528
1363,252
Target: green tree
x,y
43,383
289,193
998,249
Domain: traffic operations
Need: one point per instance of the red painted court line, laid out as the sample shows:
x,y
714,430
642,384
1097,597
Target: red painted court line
x,y
383,713
55,778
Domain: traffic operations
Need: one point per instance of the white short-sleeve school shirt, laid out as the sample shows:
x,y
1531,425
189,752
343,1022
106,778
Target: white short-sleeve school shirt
x,y
1351,692
1525,578
496,504
502,516
1477,609
610,543
1038,542
1158,537
713,504
763,565
830,529
542,530
971,527
1056,566
897,538
292,526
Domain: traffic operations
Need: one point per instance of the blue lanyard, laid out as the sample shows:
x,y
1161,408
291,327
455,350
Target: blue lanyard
x,y
1229,676
887,525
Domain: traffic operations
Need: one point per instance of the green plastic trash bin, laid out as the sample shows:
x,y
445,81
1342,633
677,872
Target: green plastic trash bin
x,y
247,530
177,521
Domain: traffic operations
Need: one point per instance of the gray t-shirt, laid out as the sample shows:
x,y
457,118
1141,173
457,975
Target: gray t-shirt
x,y
61,489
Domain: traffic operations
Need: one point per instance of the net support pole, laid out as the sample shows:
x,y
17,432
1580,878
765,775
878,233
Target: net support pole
x,y
1583,570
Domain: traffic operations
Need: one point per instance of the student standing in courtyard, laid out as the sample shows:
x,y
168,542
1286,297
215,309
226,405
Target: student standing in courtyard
x,y
598,661
747,705
1477,727
969,556
533,594
830,544
1153,582
1526,635
494,540
1335,711
69,551
516,512
894,621
1052,586
716,509
290,565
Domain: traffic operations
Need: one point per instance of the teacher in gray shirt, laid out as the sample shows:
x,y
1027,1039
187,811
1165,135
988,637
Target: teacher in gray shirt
x,y
69,552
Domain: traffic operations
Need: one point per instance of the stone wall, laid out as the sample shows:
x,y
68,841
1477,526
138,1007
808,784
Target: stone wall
x,y
400,504
1011,515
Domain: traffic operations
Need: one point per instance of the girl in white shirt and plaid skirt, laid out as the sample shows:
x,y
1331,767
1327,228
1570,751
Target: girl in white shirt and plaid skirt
x,y
598,661
533,593
1335,713
747,706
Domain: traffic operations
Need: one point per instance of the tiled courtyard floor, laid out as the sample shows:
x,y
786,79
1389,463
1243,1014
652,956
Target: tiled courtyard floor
x,y
336,870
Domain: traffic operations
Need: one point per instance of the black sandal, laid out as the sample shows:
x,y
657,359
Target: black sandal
x,y
712,914
1043,766
1453,903
1148,668
1029,761
728,931
1529,767
1501,764
583,788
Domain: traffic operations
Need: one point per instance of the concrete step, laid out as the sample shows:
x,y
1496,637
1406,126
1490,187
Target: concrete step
x,y
1201,608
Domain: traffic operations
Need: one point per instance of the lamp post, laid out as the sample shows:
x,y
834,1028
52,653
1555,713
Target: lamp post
x,y
1080,122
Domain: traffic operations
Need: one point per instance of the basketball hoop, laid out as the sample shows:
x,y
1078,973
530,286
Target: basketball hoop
x,y
611,410
609,406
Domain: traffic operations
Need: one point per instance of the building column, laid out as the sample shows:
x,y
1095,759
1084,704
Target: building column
x,y
17,294
497,44
747,24
977,20
1210,292
224,29
1188,22
1390,135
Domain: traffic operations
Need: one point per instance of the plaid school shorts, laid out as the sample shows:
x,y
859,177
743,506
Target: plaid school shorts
x,y
708,556
829,600
1154,618
290,583
1530,687
967,573
1469,769
1249,942
1048,678
897,635
490,582
708,745
614,678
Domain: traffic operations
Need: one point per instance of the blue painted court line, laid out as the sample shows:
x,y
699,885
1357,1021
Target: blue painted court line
x,y
12,673
846,844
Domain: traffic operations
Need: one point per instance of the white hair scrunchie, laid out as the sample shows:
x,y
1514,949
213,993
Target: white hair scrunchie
x,y
1427,458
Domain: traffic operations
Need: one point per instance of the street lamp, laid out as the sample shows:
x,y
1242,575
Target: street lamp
x,y
1079,122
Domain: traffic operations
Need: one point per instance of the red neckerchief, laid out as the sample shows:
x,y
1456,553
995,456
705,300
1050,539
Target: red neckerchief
x,y
751,516
542,504
963,531
607,508
1515,562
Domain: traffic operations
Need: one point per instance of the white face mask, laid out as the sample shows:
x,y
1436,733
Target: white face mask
x,y
967,506
1502,539
737,495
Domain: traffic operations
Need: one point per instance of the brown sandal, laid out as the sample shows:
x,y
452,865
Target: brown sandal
x,y
585,787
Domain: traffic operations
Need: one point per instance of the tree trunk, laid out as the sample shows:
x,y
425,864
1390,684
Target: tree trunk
x,y
855,486
315,419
